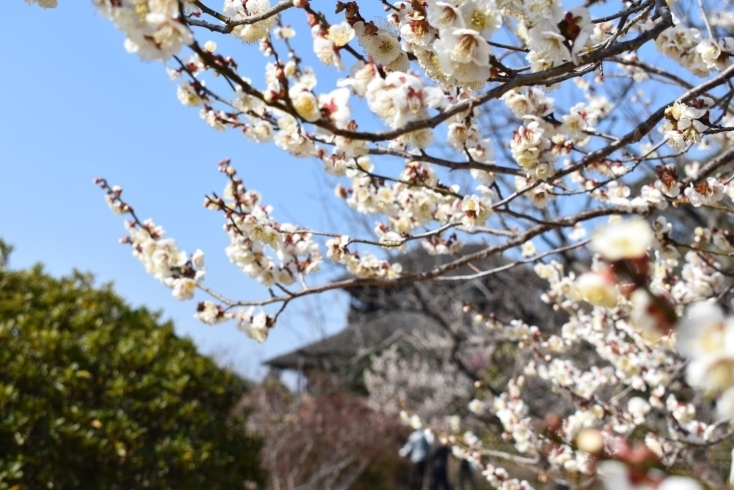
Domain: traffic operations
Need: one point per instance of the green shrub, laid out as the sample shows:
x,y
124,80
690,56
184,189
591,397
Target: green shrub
x,y
95,394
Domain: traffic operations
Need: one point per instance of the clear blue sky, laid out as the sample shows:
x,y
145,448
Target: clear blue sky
x,y
76,105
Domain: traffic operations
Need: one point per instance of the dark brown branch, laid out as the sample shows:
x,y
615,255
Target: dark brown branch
x,y
724,159
424,157
278,8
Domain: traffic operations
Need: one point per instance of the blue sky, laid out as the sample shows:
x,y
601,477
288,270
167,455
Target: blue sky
x,y
76,106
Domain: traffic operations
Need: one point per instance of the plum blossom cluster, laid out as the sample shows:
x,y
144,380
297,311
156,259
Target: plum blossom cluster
x,y
153,28
537,144
398,99
327,42
365,265
533,152
633,327
242,10
449,42
416,199
687,46
554,36
255,325
685,122
161,257
252,232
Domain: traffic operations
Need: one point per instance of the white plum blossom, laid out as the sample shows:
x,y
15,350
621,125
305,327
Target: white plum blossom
x,y
381,45
476,406
684,123
152,27
463,55
532,151
256,326
401,98
241,10
340,34
709,192
162,258
597,290
184,288
617,476
476,210
305,103
444,15
326,49
210,313
529,102
681,43
707,337
188,95
623,240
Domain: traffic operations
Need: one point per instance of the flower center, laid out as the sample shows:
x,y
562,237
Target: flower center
x,y
142,9
478,21
386,46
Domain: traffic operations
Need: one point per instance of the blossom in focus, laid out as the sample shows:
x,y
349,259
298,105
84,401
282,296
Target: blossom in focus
x,y
241,10
184,288
340,34
255,326
709,192
305,103
482,16
476,210
381,45
685,122
325,48
464,55
680,43
401,98
532,151
152,27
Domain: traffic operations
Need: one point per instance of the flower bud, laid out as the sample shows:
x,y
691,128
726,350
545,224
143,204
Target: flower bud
x,y
590,441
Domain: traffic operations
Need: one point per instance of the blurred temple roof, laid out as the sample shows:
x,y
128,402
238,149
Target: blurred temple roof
x,y
359,339
381,316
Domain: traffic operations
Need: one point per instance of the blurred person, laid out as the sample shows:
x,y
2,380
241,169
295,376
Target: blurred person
x,y
439,465
417,448
467,471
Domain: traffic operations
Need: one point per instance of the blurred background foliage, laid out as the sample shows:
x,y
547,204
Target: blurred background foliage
x,y
96,394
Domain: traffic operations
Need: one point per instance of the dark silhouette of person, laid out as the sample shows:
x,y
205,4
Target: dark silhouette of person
x,y
440,465
466,474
